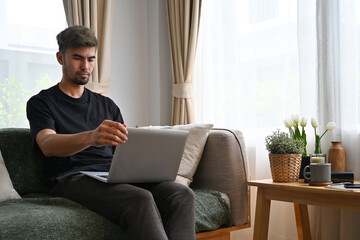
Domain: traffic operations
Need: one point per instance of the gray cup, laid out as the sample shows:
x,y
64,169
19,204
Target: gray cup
x,y
320,174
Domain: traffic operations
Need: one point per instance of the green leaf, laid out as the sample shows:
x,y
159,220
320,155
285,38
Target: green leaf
x,y
281,143
297,134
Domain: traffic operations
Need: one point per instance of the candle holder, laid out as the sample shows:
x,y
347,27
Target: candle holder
x,y
318,158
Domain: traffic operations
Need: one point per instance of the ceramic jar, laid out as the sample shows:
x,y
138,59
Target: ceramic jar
x,y
336,156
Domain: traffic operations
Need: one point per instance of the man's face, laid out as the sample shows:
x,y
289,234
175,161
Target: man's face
x,y
77,64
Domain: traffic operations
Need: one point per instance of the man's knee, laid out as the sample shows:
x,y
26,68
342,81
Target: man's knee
x,y
137,204
139,198
186,193
182,194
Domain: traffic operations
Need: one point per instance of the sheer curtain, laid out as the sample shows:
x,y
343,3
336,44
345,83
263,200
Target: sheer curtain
x,y
338,25
247,70
259,62
247,77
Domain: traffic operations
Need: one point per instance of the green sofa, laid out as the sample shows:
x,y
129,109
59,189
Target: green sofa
x,y
223,168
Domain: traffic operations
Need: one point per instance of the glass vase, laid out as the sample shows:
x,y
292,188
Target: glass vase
x,y
317,145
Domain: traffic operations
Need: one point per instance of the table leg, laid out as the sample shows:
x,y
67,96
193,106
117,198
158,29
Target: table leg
x,y
262,215
302,221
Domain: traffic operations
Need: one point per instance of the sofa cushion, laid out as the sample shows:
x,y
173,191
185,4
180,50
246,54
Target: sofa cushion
x,y
24,166
53,218
211,210
38,216
7,190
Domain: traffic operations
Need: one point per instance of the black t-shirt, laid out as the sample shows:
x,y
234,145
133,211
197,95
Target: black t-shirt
x,y
53,109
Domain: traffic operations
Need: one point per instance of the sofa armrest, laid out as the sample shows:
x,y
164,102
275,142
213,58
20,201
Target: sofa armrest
x,y
224,168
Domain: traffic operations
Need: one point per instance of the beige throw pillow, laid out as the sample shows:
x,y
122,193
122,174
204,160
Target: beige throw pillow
x,y
194,148
7,190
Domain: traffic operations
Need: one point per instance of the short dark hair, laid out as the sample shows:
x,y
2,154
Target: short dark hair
x,y
76,37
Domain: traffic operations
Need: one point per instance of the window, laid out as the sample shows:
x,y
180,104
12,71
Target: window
x,y
255,67
247,72
27,54
262,10
251,75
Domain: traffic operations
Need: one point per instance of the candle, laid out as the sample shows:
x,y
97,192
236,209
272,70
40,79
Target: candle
x,y
317,159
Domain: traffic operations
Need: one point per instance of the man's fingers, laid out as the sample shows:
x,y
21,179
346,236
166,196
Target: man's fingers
x,y
123,128
109,139
118,133
116,125
110,133
114,131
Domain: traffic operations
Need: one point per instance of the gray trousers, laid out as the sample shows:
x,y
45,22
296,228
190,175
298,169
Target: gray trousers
x,y
153,211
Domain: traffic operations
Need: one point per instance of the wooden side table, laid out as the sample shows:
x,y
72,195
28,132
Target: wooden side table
x,y
301,194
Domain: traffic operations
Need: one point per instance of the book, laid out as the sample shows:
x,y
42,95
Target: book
x,y
340,186
337,177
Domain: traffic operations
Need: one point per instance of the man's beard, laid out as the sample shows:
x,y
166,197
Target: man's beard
x,y
81,80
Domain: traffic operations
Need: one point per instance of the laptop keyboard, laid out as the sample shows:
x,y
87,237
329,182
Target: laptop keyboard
x,y
103,176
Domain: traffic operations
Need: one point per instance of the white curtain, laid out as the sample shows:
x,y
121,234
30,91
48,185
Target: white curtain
x,y
259,62
247,77
338,99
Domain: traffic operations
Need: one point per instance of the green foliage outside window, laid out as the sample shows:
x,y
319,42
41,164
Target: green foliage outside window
x,y
13,98
12,104
44,82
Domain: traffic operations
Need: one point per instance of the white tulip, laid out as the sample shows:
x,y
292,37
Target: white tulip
x,y
314,123
288,123
303,122
330,126
295,119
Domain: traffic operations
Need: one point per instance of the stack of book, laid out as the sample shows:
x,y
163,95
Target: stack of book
x,y
337,177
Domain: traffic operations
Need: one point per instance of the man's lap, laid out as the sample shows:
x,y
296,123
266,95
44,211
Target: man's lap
x,y
103,198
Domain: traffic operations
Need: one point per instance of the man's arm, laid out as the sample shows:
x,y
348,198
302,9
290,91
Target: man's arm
x,y
61,145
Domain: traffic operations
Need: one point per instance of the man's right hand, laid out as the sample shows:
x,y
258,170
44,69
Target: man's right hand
x,y
62,145
109,133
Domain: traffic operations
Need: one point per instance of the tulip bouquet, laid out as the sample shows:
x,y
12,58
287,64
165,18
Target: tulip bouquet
x,y
293,125
330,126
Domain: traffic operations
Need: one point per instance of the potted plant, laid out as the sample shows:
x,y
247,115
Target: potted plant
x,y
293,124
285,156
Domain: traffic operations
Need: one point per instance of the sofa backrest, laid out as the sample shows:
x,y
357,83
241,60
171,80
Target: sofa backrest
x,y
24,166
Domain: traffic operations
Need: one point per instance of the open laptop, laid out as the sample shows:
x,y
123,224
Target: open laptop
x,y
149,155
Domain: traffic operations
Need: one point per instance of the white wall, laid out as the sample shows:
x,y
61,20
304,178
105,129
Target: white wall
x,y
141,63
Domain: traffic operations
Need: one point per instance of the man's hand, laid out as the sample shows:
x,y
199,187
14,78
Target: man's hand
x,y
109,133
62,145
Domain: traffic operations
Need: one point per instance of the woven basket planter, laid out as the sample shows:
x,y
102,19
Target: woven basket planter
x,y
285,167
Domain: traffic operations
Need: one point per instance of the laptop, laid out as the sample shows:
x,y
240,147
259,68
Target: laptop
x,y
149,155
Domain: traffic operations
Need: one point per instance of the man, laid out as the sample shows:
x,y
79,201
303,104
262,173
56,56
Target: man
x,y
75,130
